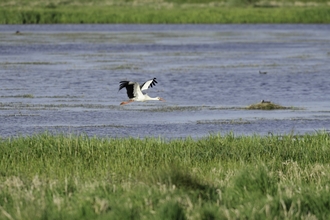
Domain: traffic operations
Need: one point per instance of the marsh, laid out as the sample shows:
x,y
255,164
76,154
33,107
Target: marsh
x,y
65,78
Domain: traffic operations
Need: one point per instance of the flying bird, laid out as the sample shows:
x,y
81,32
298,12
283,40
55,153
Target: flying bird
x,y
134,91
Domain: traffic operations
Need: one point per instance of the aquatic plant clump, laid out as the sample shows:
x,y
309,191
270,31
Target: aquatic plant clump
x,y
215,177
267,106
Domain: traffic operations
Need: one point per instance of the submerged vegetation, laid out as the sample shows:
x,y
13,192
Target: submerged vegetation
x,y
164,11
18,96
218,177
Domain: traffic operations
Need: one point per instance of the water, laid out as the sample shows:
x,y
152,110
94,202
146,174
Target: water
x,y
65,78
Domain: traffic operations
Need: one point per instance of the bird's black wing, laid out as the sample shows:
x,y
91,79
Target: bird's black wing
x,y
129,88
123,84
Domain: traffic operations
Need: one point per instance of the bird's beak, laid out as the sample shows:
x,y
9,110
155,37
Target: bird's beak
x,y
161,99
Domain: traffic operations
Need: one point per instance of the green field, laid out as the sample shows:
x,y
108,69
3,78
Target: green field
x,y
163,11
217,177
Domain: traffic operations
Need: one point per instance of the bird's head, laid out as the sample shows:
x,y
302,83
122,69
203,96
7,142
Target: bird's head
x,y
160,99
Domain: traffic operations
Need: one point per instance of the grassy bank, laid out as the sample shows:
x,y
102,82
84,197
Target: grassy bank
x,y
158,12
218,177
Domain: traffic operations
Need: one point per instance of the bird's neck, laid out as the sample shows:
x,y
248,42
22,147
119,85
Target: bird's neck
x,y
150,98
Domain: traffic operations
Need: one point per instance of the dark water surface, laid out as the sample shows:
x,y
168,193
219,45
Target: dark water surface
x,y
65,78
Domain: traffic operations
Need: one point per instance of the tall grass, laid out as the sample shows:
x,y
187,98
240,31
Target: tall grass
x,y
153,15
218,177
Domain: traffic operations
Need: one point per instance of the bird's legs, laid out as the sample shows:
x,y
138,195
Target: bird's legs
x,y
127,102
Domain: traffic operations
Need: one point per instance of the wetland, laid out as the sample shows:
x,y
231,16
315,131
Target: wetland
x,y
65,79
213,150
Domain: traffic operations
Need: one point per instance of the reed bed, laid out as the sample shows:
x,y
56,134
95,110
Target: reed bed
x,y
158,13
49,176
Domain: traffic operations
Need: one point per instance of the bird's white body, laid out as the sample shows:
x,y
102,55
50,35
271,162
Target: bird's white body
x,y
134,91
145,97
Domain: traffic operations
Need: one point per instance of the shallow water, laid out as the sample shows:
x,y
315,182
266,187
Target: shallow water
x,y
65,78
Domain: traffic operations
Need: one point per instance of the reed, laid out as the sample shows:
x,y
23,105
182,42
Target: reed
x,y
217,177
177,14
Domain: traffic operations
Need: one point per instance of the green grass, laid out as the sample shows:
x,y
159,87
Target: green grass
x,y
19,96
161,12
267,106
218,177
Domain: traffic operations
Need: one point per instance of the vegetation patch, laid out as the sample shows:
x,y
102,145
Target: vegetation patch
x,y
20,115
18,96
175,108
32,63
28,106
48,176
235,121
163,12
61,96
267,106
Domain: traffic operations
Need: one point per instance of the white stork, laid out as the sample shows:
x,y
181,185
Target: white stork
x,y
134,91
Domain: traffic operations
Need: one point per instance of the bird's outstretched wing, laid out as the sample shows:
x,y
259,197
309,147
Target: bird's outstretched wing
x,y
148,84
123,84
129,88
